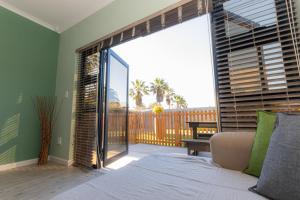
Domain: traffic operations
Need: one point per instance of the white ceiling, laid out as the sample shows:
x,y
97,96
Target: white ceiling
x,y
57,15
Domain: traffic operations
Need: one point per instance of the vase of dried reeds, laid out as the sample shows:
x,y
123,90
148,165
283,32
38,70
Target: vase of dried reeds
x,y
46,109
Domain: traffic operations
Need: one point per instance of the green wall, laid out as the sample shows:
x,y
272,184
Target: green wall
x,y
116,15
28,63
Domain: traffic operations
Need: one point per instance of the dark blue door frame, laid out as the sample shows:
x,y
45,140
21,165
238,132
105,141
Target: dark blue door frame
x,y
103,109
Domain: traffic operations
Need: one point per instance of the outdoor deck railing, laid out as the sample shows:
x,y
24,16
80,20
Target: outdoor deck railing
x,y
169,127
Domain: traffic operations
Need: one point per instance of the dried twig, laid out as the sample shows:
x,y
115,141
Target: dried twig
x,y
46,109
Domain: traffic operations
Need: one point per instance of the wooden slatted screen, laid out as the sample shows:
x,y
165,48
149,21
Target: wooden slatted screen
x,y
255,59
86,115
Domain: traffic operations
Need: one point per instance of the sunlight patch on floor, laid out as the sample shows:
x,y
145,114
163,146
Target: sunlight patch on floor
x,y
139,151
122,162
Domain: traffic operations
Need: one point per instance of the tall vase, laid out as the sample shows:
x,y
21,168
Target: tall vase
x,y
45,141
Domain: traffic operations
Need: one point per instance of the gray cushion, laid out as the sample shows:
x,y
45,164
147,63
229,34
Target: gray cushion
x,y
280,177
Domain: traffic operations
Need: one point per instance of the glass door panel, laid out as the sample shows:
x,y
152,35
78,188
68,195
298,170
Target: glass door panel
x,y
116,109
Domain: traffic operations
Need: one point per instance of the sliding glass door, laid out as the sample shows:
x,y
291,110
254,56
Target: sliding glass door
x,y
115,107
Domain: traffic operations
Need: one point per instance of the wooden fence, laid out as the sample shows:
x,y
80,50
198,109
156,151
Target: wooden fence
x,y
169,127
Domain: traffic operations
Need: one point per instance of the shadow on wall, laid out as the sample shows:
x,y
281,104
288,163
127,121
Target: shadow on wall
x,y
9,131
11,138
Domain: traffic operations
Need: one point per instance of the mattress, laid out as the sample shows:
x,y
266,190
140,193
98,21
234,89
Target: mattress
x,y
165,176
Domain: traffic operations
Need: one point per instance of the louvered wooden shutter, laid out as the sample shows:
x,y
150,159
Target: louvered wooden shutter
x,y
255,55
86,112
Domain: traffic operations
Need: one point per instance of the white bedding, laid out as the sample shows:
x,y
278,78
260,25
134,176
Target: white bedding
x,y
161,177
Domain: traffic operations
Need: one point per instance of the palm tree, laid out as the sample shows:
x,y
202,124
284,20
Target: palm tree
x,y
114,101
113,95
138,90
180,102
158,88
169,96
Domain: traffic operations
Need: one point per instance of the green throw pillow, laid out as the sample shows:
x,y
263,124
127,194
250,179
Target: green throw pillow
x,y
265,126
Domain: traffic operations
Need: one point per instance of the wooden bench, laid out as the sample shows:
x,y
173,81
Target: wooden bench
x,y
194,146
195,125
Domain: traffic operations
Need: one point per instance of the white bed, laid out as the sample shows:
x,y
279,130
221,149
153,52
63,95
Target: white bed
x,y
167,176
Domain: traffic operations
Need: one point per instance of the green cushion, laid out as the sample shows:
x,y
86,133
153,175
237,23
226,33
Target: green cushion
x,y
265,126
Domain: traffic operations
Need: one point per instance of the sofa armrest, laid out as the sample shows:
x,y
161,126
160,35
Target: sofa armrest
x,y
232,150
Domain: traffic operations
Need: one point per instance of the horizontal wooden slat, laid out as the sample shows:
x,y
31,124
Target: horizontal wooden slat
x,y
86,111
256,66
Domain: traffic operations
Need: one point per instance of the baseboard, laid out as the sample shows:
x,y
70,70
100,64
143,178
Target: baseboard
x,y
18,164
61,161
34,161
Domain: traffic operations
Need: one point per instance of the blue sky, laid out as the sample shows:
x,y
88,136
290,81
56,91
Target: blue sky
x,y
180,55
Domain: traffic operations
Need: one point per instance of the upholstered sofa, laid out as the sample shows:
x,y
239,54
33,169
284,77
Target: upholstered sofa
x,y
232,150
